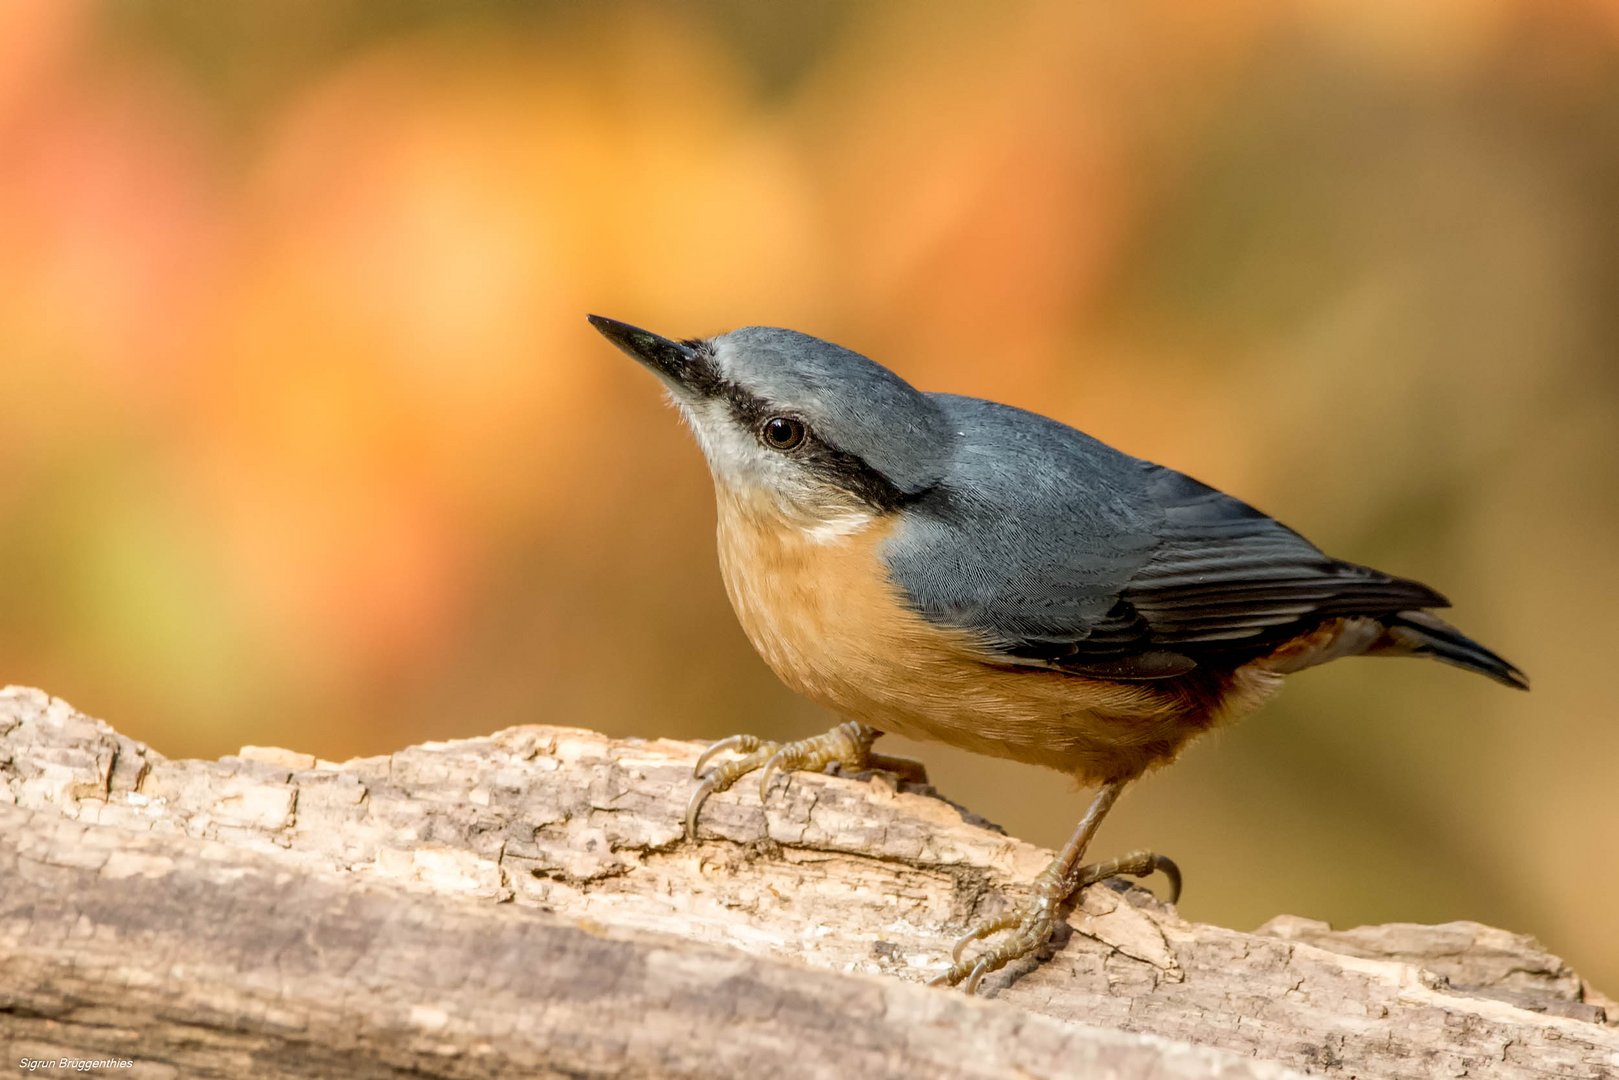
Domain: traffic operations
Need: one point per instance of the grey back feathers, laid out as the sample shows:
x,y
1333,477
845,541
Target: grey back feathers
x,y
1030,533
1057,548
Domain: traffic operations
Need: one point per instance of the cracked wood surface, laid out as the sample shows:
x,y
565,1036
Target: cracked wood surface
x,y
526,903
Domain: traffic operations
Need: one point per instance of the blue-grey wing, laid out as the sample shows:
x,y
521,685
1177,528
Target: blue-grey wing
x,y
1053,548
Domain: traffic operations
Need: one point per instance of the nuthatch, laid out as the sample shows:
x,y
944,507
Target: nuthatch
x,y
948,568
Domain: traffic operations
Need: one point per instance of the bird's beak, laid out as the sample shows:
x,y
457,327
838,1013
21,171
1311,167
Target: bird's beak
x,y
677,364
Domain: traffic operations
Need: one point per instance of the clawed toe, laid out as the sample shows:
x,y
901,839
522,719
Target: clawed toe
x,y
1136,864
1032,924
847,745
786,759
755,753
1031,927
742,744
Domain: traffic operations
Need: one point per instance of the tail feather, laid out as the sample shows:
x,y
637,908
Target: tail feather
x,y
1417,633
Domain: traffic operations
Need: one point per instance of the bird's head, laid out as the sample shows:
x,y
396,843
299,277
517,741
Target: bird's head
x,y
820,434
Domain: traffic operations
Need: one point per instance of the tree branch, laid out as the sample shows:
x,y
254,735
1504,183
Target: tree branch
x,y
526,903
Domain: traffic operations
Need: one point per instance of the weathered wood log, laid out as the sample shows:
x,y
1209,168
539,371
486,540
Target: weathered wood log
x,y
526,904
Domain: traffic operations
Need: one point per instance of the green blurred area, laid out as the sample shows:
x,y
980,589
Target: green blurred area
x,y
307,441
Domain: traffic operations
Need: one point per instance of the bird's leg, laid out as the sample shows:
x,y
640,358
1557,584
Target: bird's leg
x,y
848,746
1033,923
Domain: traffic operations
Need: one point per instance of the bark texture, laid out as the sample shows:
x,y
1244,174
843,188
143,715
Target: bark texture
x,y
526,904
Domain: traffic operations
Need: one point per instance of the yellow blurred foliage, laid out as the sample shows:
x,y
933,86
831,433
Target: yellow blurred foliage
x,y
307,442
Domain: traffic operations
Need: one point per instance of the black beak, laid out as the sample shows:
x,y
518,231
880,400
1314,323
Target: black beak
x,y
679,364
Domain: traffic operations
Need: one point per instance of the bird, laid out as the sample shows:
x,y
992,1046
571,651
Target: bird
x,y
948,568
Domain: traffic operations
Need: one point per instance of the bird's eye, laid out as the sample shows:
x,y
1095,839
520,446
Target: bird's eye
x,y
782,432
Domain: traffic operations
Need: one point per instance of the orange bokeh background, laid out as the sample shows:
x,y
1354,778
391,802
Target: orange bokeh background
x,y
306,441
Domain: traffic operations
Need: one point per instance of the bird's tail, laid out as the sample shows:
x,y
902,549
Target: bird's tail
x,y
1417,633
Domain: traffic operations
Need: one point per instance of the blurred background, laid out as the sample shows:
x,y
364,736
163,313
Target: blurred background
x,y
306,442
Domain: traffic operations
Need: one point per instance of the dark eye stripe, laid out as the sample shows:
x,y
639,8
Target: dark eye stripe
x,y
838,467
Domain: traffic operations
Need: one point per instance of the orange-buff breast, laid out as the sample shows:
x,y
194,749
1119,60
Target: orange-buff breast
x,y
823,612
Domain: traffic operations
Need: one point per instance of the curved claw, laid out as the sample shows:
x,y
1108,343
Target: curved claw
x,y
1166,866
979,932
1033,922
848,744
1031,928
782,759
1136,864
742,744
723,776
958,972
698,797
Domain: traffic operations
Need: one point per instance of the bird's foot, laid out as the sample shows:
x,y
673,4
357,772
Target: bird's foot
x,y
848,746
1032,923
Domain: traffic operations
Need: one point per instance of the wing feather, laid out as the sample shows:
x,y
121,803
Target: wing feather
x,y
1059,551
